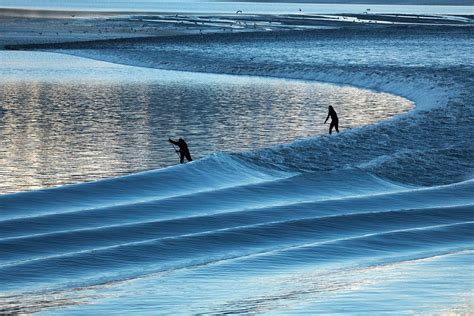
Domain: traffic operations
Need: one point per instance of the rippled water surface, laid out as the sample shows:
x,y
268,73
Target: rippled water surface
x,y
62,125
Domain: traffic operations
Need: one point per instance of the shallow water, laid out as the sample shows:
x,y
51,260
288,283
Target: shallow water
x,y
64,125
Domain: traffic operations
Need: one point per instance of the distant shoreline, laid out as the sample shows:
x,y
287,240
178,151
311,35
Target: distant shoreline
x,y
49,13
27,29
67,13
375,2
89,12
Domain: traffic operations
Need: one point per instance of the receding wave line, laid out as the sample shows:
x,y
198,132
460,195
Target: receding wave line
x,y
175,253
105,238
222,201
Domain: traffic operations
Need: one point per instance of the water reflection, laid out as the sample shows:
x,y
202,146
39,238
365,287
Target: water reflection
x,y
53,133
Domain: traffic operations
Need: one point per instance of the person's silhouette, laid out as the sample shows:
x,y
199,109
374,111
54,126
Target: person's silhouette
x,y
183,149
334,119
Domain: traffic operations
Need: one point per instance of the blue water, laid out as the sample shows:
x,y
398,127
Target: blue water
x,y
375,220
88,120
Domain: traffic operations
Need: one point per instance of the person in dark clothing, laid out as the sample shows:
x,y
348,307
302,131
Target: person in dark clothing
x,y
334,120
183,149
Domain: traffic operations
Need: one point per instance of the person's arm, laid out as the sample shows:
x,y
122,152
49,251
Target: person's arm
x,y
173,142
327,118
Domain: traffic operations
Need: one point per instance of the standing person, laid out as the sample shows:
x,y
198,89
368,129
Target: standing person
x,y
183,149
334,119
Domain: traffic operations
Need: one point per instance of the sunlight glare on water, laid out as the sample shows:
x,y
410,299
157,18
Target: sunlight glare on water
x,y
63,123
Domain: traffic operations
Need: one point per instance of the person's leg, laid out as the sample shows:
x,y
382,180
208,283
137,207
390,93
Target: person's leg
x,y
181,158
188,156
336,125
330,127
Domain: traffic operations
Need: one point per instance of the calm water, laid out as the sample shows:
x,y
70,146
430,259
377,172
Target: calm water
x,y
67,119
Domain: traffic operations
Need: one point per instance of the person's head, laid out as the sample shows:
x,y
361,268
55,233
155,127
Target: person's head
x,y
180,140
330,108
